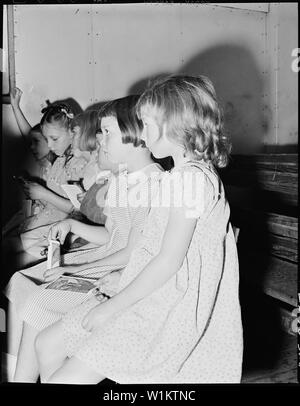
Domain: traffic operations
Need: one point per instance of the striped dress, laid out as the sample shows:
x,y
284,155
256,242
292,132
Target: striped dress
x,y
41,307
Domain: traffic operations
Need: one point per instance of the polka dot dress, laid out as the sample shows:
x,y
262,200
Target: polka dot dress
x,y
187,331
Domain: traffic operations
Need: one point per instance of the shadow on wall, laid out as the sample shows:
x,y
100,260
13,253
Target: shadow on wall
x,y
139,86
239,86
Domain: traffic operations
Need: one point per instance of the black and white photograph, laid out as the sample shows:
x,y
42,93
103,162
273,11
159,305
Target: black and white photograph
x,y
149,197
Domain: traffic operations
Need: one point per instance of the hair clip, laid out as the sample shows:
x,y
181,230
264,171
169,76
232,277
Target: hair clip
x,y
69,115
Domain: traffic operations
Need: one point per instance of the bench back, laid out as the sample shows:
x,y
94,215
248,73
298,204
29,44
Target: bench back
x,y
263,194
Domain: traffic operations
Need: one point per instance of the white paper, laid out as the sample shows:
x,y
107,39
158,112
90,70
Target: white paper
x,y
72,191
53,257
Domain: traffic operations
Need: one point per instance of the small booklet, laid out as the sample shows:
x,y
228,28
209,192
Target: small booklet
x,y
74,284
72,191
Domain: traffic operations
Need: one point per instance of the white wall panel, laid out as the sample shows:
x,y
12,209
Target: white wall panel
x,y
53,54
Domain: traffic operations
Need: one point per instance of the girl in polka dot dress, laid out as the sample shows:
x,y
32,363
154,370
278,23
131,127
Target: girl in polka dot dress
x,y
176,316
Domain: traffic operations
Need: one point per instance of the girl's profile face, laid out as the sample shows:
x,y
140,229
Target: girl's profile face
x,y
154,138
58,138
38,145
111,142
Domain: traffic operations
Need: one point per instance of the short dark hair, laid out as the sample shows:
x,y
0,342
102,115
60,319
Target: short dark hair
x,y
124,110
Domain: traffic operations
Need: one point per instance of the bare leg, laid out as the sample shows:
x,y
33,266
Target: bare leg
x,y
50,350
14,334
14,331
27,366
74,371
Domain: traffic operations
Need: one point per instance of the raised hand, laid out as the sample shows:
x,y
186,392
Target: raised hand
x,y
15,96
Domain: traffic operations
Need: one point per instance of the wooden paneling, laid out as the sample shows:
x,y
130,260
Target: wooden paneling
x,y
263,192
274,276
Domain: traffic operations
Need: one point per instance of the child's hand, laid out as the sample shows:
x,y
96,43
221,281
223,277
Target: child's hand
x,y
109,283
15,97
35,191
59,231
54,273
80,196
95,317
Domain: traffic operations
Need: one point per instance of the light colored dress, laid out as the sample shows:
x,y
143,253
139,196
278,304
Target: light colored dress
x,y
187,331
41,307
34,230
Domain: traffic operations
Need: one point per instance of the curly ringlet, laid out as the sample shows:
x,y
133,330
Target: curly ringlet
x,y
189,109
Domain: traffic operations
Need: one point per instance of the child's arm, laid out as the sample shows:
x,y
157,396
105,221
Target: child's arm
x,y
117,259
23,124
35,191
160,269
95,234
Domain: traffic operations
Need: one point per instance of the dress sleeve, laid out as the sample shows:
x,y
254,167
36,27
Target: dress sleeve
x,y
190,189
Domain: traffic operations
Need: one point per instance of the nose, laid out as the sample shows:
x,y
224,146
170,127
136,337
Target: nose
x,y
50,144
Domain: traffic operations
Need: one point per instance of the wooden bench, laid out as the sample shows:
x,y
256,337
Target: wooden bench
x,y
263,194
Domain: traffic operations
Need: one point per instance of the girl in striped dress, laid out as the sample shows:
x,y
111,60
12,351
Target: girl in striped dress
x,y
39,307
176,316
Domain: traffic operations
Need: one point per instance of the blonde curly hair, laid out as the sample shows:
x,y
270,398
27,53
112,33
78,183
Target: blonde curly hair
x,y
189,109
